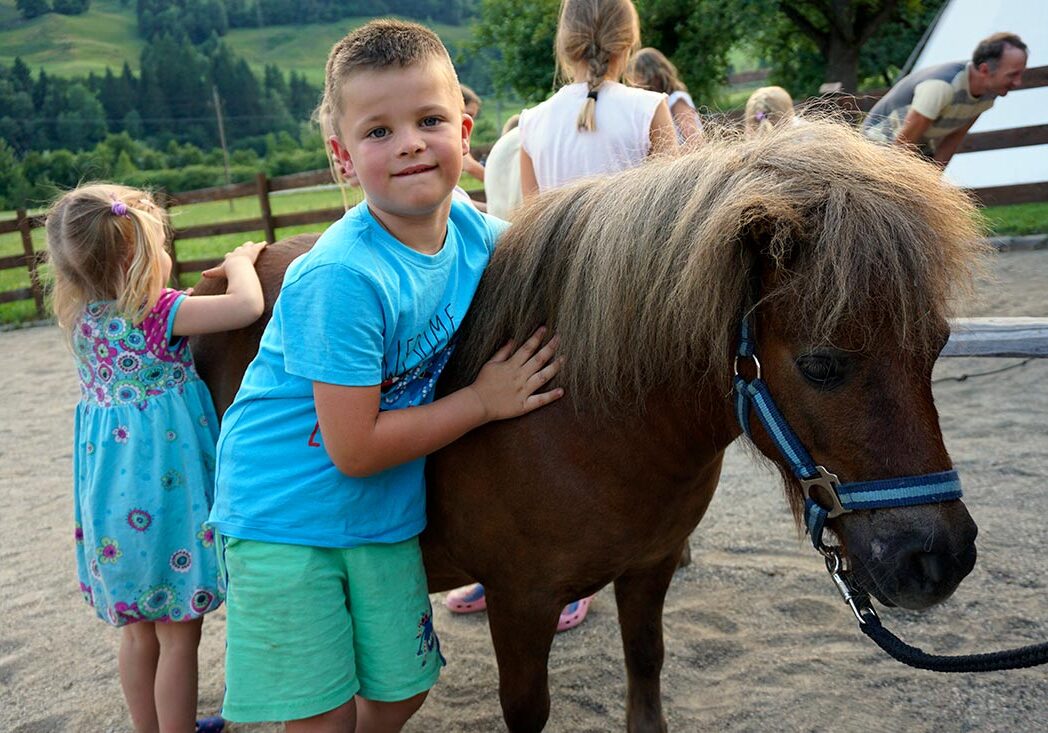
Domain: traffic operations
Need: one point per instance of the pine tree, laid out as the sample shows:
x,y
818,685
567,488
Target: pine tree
x,y
30,9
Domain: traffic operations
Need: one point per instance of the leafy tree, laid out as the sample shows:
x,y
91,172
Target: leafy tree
x,y
522,34
303,97
16,116
810,42
30,9
21,77
82,121
117,95
14,188
70,7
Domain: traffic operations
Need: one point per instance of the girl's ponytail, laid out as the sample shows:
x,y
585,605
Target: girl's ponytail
x,y
599,33
146,236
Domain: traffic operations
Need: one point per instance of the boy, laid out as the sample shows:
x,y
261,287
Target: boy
x,y
320,494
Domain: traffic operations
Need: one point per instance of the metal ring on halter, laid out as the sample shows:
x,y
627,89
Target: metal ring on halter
x,y
756,361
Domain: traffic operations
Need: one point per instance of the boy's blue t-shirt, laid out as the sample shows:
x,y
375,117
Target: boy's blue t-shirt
x,y
359,309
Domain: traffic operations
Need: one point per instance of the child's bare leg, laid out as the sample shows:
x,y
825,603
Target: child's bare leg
x,y
342,719
386,717
137,661
176,675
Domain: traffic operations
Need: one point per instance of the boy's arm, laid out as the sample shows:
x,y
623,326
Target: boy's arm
x,y
361,440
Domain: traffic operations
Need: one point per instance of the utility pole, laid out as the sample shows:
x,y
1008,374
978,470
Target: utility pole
x,y
222,136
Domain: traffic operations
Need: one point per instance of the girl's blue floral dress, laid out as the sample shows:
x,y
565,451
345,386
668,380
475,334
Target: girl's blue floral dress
x,y
143,468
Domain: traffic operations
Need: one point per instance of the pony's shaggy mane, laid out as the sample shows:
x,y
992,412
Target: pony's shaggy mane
x,y
645,274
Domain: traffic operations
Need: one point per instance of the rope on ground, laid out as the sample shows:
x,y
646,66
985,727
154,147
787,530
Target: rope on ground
x,y
966,377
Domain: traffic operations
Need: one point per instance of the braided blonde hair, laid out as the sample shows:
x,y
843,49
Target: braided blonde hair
x,y
599,32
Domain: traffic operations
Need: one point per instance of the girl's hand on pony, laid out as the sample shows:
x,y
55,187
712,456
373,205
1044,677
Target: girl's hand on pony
x,y
239,306
248,251
508,384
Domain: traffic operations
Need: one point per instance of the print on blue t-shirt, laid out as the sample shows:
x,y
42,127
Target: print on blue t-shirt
x,y
359,309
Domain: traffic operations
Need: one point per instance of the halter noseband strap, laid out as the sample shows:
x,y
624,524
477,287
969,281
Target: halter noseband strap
x,y
927,488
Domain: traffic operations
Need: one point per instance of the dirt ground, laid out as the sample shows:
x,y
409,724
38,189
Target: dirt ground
x,y
756,638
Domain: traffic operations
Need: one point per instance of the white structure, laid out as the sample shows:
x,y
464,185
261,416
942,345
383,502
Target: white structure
x,y
961,26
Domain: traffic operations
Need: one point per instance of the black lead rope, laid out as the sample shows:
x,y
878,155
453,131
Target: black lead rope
x,y
1020,658
870,624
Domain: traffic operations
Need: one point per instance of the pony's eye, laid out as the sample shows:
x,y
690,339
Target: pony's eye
x,y
822,370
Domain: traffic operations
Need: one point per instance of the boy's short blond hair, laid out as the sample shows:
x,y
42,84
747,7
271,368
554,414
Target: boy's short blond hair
x,y
379,44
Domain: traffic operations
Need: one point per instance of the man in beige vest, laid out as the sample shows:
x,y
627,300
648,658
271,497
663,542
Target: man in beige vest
x,y
933,109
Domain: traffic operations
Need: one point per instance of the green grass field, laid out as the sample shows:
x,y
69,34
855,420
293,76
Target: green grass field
x,y
107,35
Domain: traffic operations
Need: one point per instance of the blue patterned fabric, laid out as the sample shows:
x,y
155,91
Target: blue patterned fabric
x,y
143,464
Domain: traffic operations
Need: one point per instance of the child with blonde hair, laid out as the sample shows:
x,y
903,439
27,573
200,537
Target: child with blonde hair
x,y
593,125
144,436
650,69
329,625
767,107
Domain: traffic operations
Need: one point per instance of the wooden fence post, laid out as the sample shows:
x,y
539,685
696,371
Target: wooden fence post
x,y
30,262
263,205
175,281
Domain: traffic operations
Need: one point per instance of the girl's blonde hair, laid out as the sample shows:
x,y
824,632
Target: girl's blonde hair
x,y
106,242
650,69
767,107
598,32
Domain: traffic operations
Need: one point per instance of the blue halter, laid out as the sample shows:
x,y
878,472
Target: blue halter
x,y
929,488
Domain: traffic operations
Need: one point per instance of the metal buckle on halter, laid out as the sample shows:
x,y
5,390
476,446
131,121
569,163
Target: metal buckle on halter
x,y
829,483
756,361
858,600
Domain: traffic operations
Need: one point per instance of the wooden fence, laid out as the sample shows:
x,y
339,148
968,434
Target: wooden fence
x,y
267,222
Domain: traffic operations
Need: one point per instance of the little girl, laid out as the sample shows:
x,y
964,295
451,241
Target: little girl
x,y
593,125
145,431
767,107
650,69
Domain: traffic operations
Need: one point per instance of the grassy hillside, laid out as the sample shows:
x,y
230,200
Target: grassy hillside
x,y
71,45
107,35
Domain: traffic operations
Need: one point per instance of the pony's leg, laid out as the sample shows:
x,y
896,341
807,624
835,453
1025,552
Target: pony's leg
x,y
639,595
522,632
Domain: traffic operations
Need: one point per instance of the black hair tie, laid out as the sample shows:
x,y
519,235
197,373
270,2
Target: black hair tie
x,y
593,95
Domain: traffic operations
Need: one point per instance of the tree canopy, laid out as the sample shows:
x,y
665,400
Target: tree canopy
x,y
804,42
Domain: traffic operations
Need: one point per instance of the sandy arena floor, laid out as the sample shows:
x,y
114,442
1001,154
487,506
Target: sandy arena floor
x,y
756,638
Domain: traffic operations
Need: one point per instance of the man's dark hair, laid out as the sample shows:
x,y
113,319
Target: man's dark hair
x,y
990,49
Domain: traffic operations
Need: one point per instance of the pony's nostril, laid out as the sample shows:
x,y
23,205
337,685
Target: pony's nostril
x,y
931,567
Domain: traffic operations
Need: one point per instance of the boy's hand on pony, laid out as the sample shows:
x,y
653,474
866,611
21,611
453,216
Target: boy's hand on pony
x,y
248,250
508,384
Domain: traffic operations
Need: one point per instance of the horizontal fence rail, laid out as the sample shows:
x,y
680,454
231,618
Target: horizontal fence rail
x,y
1024,337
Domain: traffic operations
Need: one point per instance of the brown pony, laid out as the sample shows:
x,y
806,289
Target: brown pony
x,y
844,254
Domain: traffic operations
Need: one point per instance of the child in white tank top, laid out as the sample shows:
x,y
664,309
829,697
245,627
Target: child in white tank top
x,y
593,125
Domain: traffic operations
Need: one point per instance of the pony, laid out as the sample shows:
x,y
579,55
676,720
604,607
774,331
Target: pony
x,y
844,256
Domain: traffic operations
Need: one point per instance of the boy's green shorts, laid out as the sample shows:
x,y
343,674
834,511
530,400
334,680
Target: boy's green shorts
x,y
307,628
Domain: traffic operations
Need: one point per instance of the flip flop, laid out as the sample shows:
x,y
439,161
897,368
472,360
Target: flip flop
x,y
211,724
574,614
467,599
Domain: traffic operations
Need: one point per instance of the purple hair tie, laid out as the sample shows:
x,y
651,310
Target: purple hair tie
x,y
119,208
760,116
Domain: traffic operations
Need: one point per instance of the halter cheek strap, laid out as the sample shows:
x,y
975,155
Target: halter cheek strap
x,y
753,394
